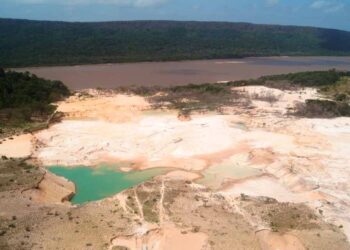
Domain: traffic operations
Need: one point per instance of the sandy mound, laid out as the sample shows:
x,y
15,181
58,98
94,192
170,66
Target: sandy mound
x,y
52,189
108,107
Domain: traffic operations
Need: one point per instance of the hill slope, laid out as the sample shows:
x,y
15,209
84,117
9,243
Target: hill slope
x,y
26,98
25,43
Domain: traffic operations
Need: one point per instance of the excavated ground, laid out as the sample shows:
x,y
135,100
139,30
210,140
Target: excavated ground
x,y
250,177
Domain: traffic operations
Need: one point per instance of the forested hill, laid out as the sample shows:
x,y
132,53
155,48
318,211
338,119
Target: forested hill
x,y
26,98
32,43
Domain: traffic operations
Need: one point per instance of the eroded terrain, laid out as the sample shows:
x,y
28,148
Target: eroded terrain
x,y
250,175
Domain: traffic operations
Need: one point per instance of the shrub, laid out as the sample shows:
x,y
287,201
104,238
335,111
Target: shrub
x,y
267,96
2,72
322,109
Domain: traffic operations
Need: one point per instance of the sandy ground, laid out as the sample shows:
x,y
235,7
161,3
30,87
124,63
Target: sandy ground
x,y
18,147
286,98
181,175
168,237
270,240
303,161
103,106
155,140
52,189
270,187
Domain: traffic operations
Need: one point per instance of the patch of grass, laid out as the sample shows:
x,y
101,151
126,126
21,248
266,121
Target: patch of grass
x,y
120,248
322,109
202,97
150,211
139,90
131,201
201,88
339,91
267,96
16,174
149,199
283,217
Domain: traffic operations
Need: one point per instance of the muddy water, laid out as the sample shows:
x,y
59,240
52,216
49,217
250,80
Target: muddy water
x,y
183,72
97,183
216,176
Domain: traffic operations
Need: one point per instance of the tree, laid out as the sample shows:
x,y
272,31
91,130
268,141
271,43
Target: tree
x,y
24,96
2,72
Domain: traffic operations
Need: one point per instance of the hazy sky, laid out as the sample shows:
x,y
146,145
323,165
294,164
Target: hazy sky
x,y
321,13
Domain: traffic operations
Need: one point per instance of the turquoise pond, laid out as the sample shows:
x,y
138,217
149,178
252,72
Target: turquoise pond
x,y
100,182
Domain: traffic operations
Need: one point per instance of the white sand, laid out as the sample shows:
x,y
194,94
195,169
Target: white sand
x,y
150,138
269,187
305,160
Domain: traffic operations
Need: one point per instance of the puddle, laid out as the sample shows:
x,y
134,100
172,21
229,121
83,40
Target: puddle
x,y
97,183
158,112
234,169
240,125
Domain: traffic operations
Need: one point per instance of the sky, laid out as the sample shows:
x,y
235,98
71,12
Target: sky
x,y
319,13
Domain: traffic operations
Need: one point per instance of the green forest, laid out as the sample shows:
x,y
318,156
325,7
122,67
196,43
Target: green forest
x,y
35,43
25,98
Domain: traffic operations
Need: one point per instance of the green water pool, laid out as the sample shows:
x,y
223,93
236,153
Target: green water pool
x,y
100,182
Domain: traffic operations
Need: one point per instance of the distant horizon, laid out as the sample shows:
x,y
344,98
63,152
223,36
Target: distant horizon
x,y
173,20
332,14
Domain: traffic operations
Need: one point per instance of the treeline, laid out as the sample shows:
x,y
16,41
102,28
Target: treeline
x,y
32,43
299,79
26,98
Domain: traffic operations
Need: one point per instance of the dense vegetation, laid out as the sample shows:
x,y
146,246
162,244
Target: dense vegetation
x,y
295,80
24,43
15,174
310,79
26,98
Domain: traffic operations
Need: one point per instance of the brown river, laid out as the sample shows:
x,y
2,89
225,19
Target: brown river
x,y
183,72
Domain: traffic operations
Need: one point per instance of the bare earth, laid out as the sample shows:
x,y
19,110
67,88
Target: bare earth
x,y
17,146
285,182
